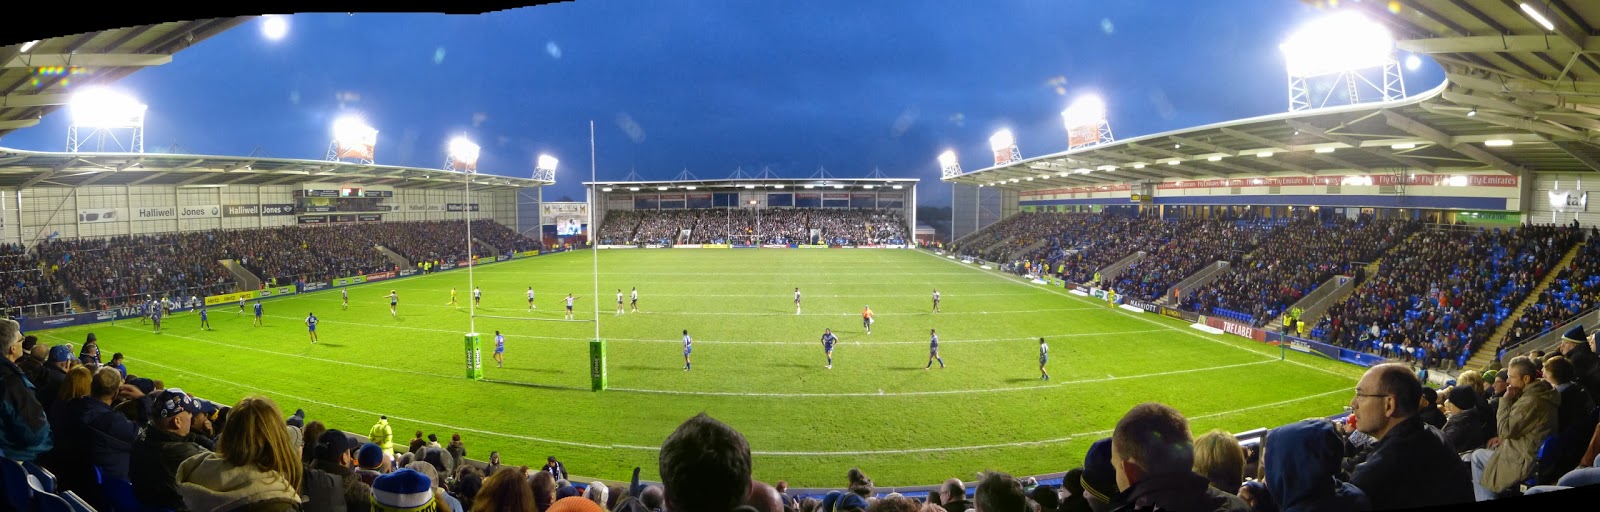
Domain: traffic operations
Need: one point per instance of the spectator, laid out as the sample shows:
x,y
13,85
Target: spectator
x,y
1153,455
107,437
165,444
1574,420
1409,465
999,492
1255,493
544,489
404,490
24,429
330,481
705,466
1464,431
1219,458
504,491
764,498
555,468
254,467
370,462
1430,406
953,496
1526,418
1302,466
1585,365
1100,478
446,502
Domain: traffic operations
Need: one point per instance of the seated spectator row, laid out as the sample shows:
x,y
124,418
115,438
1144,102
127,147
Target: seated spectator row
x,y
1193,244
1572,293
1445,291
1291,262
740,225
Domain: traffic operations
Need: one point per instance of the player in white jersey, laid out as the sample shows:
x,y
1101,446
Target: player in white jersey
x,y
477,296
569,306
394,303
619,302
346,293
933,350
241,306
1044,357
634,299
688,346
796,301
936,300
531,305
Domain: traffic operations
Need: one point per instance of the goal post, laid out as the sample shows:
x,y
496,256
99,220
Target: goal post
x,y
474,357
597,365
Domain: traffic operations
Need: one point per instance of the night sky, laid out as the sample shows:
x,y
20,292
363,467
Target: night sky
x,y
715,85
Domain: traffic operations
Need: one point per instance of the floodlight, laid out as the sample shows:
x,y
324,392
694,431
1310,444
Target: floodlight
x,y
869,187
1215,159
463,154
690,187
1173,162
1343,41
1002,140
1265,154
607,189
274,27
663,189
779,187
1405,145
633,189
548,162
1497,142
100,107
1138,165
1086,110
947,158
1538,16
1324,150
898,187
350,130
28,46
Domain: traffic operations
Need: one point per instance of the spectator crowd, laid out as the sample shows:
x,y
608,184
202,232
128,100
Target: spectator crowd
x,y
740,225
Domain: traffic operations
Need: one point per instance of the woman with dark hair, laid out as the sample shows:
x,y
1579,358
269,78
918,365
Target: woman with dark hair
x,y
544,488
506,490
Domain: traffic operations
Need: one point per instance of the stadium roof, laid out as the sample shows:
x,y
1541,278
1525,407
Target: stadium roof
x,y
1507,79
35,77
757,183
24,169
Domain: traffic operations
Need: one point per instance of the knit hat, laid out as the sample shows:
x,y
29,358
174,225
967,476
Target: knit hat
x,y
1576,335
296,439
298,419
403,490
829,500
370,456
567,491
575,504
849,501
331,444
1099,476
1463,397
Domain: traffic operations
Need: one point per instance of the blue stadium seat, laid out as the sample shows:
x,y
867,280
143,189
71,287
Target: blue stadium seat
x,y
46,502
47,480
14,480
77,502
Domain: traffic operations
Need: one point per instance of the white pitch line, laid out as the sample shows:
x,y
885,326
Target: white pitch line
x,y
752,313
1141,318
941,392
301,356
257,389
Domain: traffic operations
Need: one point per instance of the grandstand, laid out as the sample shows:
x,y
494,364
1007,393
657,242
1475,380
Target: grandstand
x,y
756,212
1436,230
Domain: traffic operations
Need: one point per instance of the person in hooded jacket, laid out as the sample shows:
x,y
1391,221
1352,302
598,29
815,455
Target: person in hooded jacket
x,y
1152,452
1527,416
1302,461
254,468
1578,347
1464,430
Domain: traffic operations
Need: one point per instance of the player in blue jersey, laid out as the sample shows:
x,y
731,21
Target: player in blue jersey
x,y
688,346
311,325
345,292
258,313
933,350
828,339
394,303
499,350
155,317
1044,357
205,320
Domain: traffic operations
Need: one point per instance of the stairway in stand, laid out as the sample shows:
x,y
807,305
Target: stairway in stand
x,y
1480,360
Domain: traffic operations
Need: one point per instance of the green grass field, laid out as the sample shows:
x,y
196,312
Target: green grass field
x,y
757,365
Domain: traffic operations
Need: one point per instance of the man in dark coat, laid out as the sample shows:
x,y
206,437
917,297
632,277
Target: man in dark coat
x,y
1464,430
1153,455
166,443
1410,466
1575,346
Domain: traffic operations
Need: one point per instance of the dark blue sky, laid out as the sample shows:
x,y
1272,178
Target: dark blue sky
x,y
711,85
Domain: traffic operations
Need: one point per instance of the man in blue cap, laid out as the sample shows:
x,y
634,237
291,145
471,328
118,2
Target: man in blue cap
x,y
1578,348
165,443
47,380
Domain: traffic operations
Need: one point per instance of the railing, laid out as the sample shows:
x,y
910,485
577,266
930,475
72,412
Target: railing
x,y
1534,342
33,310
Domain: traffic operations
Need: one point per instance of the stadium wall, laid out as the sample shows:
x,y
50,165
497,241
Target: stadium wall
x,y
1542,211
40,213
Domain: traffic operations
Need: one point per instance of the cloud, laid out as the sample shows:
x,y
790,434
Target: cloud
x,y
552,49
438,55
958,119
630,127
1107,27
478,118
904,122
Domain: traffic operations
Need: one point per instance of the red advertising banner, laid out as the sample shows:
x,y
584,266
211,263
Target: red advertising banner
x,y
1120,187
1237,329
1427,180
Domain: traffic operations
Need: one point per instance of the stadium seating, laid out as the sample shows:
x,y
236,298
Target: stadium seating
x,y
24,283
739,225
1192,244
1571,294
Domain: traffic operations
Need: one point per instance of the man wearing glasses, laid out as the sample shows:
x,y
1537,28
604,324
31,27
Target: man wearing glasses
x,y
1410,465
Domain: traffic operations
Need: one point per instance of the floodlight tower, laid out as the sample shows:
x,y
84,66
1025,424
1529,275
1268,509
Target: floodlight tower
x,y
949,167
545,169
353,139
1344,50
1005,147
1086,122
463,158
102,111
